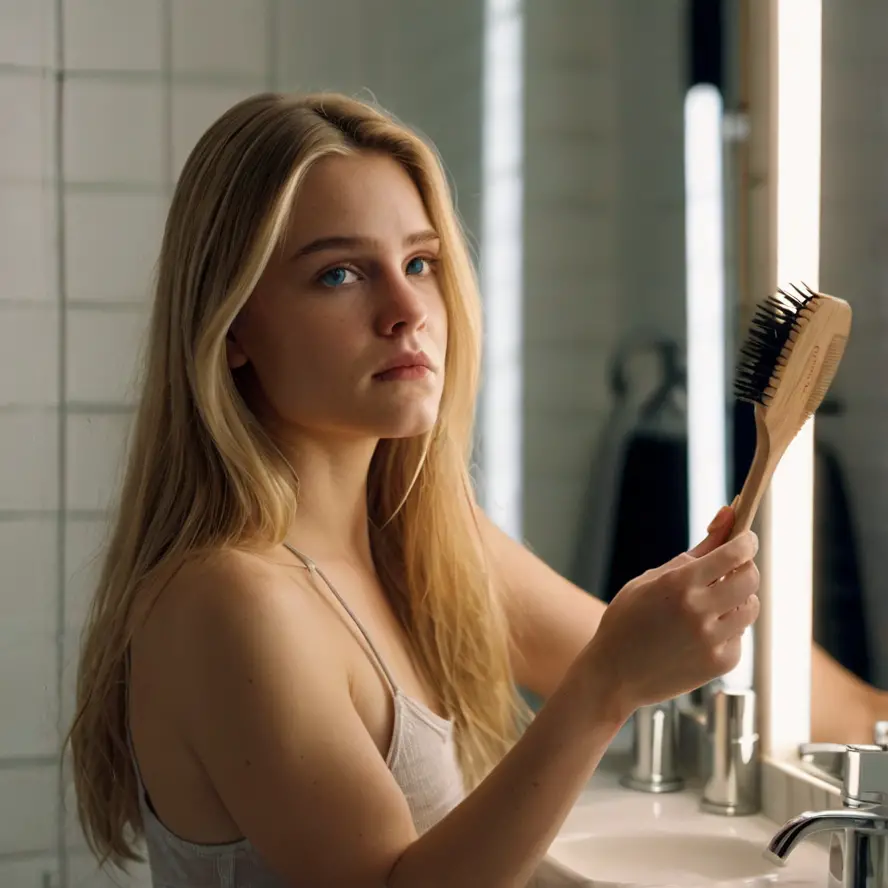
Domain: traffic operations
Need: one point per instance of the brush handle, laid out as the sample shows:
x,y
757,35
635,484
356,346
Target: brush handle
x,y
757,479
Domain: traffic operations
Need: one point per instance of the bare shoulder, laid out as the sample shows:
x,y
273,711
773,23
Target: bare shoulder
x,y
222,607
262,699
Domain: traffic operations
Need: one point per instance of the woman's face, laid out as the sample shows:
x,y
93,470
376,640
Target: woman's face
x,y
346,333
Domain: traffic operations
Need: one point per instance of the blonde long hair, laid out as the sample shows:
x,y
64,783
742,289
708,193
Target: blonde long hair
x,y
202,474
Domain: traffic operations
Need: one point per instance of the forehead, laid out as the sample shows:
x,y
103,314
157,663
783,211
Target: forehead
x,y
360,195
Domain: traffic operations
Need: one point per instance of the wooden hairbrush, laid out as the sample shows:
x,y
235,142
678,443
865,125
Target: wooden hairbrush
x,y
790,357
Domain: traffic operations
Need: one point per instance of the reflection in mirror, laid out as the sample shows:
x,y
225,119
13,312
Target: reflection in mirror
x,y
850,609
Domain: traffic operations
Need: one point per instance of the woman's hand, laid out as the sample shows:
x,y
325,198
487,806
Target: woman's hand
x,y
678,626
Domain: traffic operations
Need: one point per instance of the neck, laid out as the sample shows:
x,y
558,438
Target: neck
x,y
331,521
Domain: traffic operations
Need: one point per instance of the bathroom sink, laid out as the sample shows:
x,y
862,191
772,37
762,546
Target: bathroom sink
x,y
662,858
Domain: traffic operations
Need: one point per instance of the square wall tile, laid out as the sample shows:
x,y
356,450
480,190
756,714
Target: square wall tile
x,y
115,35
29,341
104,346
27,127
29,460
28,693
114,132
194,109
33,872
220,37
28,243
84,548
95,459
27,33
307,32
29,579
112,244
28,809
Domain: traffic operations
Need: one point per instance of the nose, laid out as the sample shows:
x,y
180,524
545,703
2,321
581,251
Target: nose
x,y
403,309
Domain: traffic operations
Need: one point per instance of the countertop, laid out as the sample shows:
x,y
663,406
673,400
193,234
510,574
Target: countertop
x,y
622,820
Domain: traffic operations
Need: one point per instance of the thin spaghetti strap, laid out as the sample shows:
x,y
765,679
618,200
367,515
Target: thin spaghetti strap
x,y
314,569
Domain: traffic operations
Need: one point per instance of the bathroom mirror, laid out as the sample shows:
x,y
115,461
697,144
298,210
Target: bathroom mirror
x,y
850,609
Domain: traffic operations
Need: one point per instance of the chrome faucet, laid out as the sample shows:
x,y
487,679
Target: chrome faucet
x,y
859,844
718,726
655,749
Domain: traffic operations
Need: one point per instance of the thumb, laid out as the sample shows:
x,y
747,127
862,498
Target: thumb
x,y
718,532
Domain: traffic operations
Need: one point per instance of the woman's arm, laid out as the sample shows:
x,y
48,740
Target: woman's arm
x,y
553,620
269,715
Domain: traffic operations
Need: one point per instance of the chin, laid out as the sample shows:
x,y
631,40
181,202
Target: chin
x,y
409,422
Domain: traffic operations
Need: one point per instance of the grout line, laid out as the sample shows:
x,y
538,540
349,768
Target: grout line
x,y
119,186
272,74
19,762
15,70
71,408
210,80
167,72
61,615
72,515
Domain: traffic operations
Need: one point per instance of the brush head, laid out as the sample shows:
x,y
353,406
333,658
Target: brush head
x,y
776,324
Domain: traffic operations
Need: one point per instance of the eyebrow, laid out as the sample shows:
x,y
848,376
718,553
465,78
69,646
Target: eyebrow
x,y
351,242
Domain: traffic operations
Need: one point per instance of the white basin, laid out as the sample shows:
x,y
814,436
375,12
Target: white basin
x,y
664,859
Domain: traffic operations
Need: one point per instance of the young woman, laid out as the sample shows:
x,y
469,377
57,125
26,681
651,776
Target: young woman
x,y
301,662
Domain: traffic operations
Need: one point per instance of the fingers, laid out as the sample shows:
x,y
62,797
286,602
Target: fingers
x,y
717,532
736,621
733,591
721,561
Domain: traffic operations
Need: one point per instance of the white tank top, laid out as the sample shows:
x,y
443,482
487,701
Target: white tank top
x,y
421,757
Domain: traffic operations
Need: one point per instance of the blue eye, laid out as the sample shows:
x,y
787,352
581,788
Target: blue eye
x,y
335,277
412,266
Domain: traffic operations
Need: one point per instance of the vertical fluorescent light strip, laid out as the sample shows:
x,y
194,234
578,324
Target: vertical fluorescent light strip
x,y
705,309
501,263
790,544
705,319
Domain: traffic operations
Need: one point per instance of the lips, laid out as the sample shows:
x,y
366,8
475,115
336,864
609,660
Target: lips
x,y
410,361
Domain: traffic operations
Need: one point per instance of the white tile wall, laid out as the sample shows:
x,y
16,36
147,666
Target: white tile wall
x,y
28,242
32,794
29,338
27,126
95,459
32,872
104,348
227,38
27,33
29,556
114,131
29,457
29,694
113,35
112,241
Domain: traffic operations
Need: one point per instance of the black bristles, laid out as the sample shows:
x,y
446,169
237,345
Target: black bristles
x,y
766,343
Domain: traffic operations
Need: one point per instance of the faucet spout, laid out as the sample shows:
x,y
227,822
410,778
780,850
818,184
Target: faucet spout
x,y
812,822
